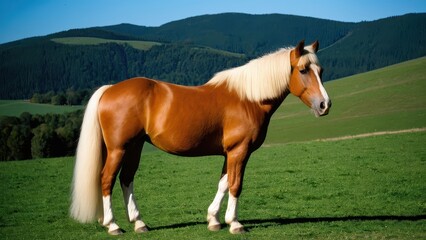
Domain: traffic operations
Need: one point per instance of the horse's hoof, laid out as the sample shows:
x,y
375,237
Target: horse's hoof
x,y
115,232
141,229
238,230
214,228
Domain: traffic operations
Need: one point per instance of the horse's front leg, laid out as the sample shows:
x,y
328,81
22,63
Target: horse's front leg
x,y
236,163
214,208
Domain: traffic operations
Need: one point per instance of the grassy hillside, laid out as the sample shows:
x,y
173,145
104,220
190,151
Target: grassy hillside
x,y
141,45
390,98
316,190
16,107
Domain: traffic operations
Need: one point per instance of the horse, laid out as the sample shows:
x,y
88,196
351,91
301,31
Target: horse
x,y
227,116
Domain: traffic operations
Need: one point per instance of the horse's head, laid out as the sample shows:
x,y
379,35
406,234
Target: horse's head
x,y
305,81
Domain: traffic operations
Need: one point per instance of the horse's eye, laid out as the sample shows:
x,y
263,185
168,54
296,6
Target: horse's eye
x,y
304,71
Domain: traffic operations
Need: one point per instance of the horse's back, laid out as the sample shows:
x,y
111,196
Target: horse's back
x,y
178,119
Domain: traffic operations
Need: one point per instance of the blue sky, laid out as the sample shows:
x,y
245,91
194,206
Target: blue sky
x,y
26,18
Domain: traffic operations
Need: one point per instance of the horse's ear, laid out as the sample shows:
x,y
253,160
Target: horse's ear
x,y
298,50
315,46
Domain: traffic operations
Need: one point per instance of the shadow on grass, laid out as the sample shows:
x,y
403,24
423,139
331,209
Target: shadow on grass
x,y
286,221
253,223
178,225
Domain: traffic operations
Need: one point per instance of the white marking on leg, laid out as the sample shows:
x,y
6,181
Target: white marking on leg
x,y
108,220
132,209
231,211
108,217
231,216
213,210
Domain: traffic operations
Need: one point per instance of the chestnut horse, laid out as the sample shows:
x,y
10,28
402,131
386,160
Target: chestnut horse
x,y
228,116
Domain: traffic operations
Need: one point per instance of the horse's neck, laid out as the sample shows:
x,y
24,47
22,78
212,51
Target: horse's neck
x,y
270,106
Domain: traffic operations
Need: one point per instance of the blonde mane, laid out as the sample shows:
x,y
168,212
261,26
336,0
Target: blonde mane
x,y
263,78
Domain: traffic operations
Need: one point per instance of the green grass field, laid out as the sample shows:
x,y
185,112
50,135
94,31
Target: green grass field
x,y
295,187
141,45
17,107
371,188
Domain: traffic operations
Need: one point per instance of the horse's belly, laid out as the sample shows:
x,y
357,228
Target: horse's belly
x,y
188,145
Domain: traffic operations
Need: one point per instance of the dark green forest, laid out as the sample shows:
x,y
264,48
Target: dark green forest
x,y
39,136
48,66
186,55
252,35
69,97
376,44
345,48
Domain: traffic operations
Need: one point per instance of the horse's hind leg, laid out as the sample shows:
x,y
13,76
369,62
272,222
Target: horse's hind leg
x,y
128,170
108,176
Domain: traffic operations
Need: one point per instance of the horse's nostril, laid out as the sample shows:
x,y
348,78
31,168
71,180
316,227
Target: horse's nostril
x,y
322,105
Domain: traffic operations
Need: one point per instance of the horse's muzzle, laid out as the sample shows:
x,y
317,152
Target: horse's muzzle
x,y
322,108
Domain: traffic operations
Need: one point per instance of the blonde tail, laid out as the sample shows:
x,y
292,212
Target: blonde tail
x,y
86,200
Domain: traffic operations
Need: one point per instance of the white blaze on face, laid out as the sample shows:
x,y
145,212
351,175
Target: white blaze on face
x,y
316,71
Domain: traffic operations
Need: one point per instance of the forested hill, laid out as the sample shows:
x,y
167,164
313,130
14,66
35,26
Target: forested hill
x,y
372,45
242,33
191,50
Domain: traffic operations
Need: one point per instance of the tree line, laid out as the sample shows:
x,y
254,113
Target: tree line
x,y
69,97
39,136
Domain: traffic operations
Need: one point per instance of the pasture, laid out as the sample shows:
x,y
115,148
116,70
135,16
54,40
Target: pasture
x,y
296,187
141,45
360,188
17,107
